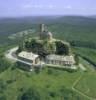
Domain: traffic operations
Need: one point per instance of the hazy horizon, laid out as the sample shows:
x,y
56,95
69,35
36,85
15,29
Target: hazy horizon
x,y
57,16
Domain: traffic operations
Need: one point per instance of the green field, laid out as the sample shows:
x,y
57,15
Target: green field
x,y
14,82
87,85
86,52
47,81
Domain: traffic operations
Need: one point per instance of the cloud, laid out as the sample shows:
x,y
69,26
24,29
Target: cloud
x,y
47,6
51,6
65,7
85,9
29,6
68,7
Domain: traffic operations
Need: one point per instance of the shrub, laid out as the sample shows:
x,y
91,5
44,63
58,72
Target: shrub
x,y
2,86
76,59
50,71
67,94
62,48
52,94
3,98
30,94
4,64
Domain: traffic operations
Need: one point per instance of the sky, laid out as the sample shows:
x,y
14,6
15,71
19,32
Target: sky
x,y
18,8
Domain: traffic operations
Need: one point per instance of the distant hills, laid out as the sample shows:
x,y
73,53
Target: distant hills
x,y
51,19
76,20
33,20
63,27
92,16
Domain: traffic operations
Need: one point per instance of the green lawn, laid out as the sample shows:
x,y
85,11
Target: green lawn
x,y
86,52
46,80
87,85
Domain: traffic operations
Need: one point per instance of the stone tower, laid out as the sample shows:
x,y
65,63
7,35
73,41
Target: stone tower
x,y
44,33
42,28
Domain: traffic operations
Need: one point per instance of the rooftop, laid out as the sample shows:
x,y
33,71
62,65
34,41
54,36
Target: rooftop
x,y
61,58
28,55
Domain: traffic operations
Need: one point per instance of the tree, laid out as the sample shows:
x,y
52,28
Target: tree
x,y
30,94
49,47
62,48
67,94
2,86
76,59
4,64
19,49
2,98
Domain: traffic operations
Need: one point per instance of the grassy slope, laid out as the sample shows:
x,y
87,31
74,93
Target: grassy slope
x,y
86,52
74,32
43,81
87,83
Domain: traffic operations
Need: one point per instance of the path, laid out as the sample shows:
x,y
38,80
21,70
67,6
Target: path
x,y
10,54
76,90
82,67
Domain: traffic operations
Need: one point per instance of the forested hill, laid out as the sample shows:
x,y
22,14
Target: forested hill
x,y
78,28
11,25
50,19
76,20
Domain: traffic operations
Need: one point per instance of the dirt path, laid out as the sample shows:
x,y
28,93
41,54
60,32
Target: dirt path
x,y
82,67
76,90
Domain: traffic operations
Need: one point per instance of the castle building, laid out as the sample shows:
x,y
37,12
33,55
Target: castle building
x,y
60,60
29,57
53,58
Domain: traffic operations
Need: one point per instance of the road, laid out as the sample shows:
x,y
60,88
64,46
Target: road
x,y
82,67
10,54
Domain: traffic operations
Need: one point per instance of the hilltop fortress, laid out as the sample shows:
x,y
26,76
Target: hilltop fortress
x,y
47,49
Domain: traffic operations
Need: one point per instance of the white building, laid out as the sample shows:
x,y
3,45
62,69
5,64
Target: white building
x,y
29,57
60,60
